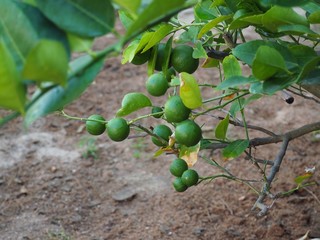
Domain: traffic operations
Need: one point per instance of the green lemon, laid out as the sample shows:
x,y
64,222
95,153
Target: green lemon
x,y
170,74
178,185
118,129
190,177
163,132
182,60
175,111
160,56
178,166
141,58
157,84
157,110
188,133
95,128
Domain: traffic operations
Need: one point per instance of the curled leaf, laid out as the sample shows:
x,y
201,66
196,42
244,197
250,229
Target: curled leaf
x,y
133,102
190,91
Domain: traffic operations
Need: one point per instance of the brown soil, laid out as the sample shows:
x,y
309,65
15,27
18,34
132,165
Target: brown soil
x,y
49,189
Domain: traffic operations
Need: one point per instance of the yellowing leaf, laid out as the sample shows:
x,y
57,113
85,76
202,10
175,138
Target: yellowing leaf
x,y
190,154
190,91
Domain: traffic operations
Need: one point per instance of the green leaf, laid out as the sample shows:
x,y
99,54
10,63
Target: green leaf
x,y
302,53
158,35
295,30
267,62
47,62
278,16
144,40
284,3
308,67
314,17
15,16
235,148
199,51
133,102
222,128
235,81
242,103
131,6
12,94
85,18
153,14
166,56
57,97
79,44
190,91
129,52
272,85
189,35
231,67
246,52
311,7
125,19
311,83
203,10
253,19
207,27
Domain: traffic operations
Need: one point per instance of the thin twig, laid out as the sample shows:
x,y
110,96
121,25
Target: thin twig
x,y
275,139
303,95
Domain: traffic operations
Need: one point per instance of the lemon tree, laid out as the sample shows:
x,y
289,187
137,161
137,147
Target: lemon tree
x,y
48,61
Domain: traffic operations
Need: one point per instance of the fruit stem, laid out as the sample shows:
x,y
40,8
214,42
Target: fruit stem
x,y
220,106
150,133
217,98
79,118
244,120
144,116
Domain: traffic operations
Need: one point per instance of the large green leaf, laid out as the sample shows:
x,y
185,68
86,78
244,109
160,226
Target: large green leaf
x,y
278,16
154,13
296,30
22,25
190,91
272,85
47,61
12,21
12,94
267,62
246,52
235,148
284,3
133,102
58,97
302,53
85,18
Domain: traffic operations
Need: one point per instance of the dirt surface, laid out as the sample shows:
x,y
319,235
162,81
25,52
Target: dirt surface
x,y
57,182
